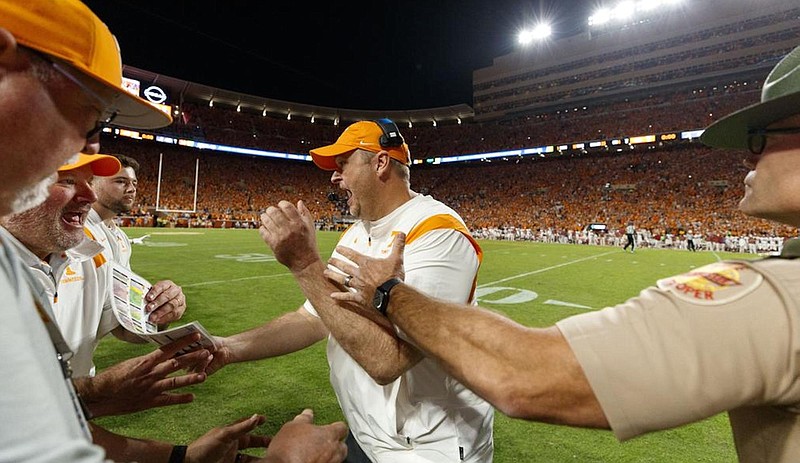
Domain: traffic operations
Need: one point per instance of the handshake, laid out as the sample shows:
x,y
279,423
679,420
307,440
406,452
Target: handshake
x,y
149,381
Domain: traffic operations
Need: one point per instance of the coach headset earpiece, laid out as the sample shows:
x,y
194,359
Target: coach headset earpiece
x,y
391,134
391,137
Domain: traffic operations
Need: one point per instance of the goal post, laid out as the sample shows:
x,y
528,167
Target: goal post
x,y
158,187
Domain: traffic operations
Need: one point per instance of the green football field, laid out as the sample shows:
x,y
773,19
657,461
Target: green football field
x,y
233,283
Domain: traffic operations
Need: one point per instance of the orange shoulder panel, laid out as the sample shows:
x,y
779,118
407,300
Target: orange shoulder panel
x,y
443,221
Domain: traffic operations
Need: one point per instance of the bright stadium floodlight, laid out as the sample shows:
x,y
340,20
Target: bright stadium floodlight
x,y
542,31
623,10
525,37
600,17
649,5
539,32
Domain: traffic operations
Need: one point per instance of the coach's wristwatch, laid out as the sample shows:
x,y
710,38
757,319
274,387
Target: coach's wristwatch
x,y
381,298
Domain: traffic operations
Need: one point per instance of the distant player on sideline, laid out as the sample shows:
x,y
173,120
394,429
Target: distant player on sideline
x,y
630,233
690,241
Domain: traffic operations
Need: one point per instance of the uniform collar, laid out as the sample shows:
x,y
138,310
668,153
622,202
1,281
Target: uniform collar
x,y
28,258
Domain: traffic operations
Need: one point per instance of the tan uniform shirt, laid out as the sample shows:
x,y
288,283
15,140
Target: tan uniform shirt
x,y
724,337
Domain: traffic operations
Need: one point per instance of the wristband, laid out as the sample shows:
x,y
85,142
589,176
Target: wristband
x,y
178,454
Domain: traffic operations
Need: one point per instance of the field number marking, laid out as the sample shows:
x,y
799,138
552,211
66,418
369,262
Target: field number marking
x,y
518,296
252,257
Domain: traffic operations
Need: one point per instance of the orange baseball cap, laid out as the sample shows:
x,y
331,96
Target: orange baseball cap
x,y
70,32
364,135
102,164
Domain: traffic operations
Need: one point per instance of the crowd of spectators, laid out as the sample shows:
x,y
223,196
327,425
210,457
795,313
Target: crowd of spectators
x,y
683,109
229,188
696,55
662,190
665,191
733,32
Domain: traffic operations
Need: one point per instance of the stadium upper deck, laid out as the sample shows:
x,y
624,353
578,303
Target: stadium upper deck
x,y
708,42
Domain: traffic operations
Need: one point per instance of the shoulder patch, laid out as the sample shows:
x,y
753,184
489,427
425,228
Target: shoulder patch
x,y
713,284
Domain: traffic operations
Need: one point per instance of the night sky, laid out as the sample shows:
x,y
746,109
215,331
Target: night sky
x,y
356,55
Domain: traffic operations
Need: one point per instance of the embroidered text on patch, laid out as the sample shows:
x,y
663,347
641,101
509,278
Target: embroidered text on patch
x,y
713,284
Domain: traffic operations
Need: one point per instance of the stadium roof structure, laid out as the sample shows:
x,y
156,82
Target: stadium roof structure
x,y
179,91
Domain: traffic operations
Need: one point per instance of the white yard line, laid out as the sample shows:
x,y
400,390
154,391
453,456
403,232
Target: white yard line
x,y
216,282
514,277
542,270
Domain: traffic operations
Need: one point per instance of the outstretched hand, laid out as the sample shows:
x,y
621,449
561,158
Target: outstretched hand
x,y
144,382
367,274
223,444
289,231
222,356
301,441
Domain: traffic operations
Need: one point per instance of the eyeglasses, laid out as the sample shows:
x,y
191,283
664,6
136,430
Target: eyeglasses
x,y
757,138
106,115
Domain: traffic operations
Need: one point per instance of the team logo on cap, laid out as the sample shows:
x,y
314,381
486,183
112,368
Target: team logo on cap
x,y
713,284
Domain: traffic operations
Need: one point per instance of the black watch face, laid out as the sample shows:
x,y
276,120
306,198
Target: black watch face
x,y
377,299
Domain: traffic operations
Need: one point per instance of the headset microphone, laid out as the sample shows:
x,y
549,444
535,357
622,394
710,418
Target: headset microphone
x,y
335,198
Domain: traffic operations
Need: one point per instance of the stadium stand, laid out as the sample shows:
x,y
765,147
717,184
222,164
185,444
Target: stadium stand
x,y
661,79
665,191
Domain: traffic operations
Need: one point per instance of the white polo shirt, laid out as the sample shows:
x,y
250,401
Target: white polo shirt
x,y
40,421
425,415
77,283
116,243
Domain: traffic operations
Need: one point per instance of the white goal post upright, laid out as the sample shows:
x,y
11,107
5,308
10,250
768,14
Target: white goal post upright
x,y
158,187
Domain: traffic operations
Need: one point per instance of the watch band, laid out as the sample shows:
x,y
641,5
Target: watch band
x,y
178,454
385,288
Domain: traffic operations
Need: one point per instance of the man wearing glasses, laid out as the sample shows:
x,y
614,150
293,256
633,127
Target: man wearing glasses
x,y
724,337
60,83
45,119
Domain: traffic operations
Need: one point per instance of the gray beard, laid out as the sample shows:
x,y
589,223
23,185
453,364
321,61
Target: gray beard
x,y
33,195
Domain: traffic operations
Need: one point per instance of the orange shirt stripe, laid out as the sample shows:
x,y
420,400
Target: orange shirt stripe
x,y
445,221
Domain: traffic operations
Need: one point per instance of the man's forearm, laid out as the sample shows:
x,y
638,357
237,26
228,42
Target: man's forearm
x,y
288,333
524,372
365,335
121,448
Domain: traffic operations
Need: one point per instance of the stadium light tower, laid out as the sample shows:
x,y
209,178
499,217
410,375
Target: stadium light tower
x,y
539,32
